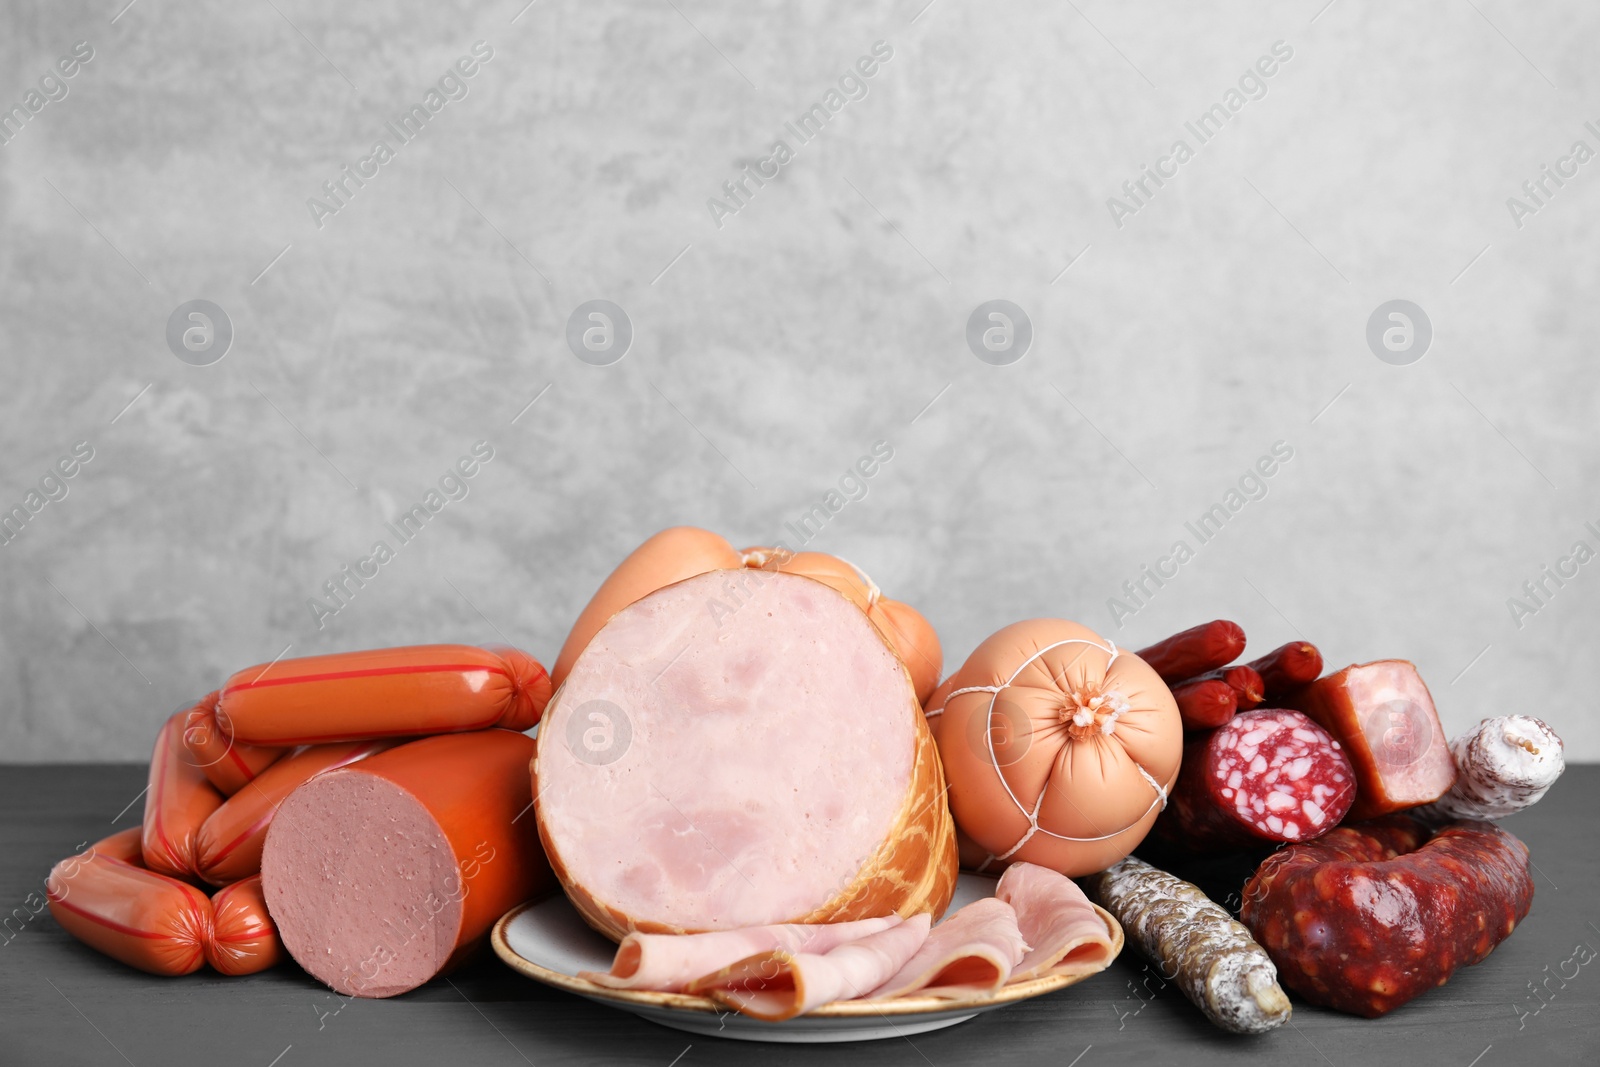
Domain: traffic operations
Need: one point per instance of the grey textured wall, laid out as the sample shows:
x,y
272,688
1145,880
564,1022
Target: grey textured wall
x,y
1175,341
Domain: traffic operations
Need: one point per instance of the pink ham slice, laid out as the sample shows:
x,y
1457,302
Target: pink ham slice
x,y
736,751
1065,934
971,953
779,985
668,963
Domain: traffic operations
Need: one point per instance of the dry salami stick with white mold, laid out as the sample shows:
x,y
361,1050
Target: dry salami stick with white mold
x,y
1213,959
1503,765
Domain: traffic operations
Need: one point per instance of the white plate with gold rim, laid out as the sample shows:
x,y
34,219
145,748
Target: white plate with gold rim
x,y
547,941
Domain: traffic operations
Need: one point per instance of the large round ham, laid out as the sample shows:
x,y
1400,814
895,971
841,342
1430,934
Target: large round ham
x,y
1060,748
685,551
708,770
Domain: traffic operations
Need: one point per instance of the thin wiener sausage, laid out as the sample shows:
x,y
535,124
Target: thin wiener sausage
x,y
388,692
244,939
178,801
145,919
228,764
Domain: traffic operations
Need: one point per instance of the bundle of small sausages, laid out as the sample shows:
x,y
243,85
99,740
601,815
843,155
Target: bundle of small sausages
x,y
1348,777
224,768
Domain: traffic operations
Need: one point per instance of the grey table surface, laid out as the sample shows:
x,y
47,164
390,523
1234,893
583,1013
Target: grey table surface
x,y
65,1004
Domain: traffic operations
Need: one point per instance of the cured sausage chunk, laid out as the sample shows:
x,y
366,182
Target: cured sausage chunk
x,y
706,769
1384,716
1369,916
1214,960
1504,765
1265,776
385,873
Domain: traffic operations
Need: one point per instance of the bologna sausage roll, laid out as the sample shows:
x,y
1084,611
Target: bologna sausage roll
x,y
387,872
388,692
228,846
771,765
227,764
178,800
1060,748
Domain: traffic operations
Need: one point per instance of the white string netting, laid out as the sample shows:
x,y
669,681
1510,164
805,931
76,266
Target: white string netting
x,y
1110,699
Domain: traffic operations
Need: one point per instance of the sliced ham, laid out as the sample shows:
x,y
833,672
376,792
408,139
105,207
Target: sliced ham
x,y
707,767
668,963
971,953
780,985
1064,933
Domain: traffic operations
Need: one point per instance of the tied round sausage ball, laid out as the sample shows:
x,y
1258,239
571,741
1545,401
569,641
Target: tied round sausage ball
x,y
1059,748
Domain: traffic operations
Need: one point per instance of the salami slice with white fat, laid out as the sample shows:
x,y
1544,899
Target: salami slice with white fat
x,y
704,768
1265,776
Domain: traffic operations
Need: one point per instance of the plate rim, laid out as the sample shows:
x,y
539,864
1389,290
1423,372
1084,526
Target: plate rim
x,y
836,1009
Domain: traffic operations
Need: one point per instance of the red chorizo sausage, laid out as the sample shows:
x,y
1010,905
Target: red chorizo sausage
x,y
1373,914
385,873
1195,651
1205,703
1287,668
145,919
228,845
228,764
178,801
244,938
388,692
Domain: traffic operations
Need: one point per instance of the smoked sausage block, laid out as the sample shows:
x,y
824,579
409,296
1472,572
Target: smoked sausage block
x,y
767,766
1373,914
386,692
387,872
1383,715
